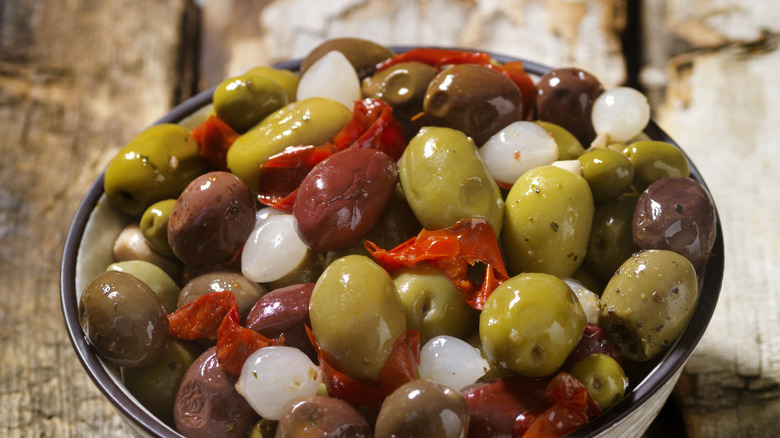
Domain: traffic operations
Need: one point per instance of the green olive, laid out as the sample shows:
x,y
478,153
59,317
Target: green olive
x,y
286,78
608,172
396,225
604,377
401,84
530,324
243,101
444,180
653,160
123,319
569,148
549,212
432,303
611,241
364,55
154,226
648,302
356,315
154,277
157,164
312,121
155,385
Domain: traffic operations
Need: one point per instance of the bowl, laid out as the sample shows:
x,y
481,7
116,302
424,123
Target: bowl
x,y
96,224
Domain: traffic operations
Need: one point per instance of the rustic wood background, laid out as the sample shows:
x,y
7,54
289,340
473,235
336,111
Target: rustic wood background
x,y
79,78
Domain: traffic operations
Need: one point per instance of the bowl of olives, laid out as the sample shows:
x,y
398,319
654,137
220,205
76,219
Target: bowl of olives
x,y
403,241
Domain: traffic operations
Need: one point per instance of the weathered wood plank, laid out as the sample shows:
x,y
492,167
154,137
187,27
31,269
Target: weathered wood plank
x,y
239,34
721,103
77,80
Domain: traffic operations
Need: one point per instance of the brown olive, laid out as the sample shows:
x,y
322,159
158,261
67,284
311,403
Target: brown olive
x,y
207,403
565,97
284,312
247,292
364,55
423,409
319,416
473,99
123,319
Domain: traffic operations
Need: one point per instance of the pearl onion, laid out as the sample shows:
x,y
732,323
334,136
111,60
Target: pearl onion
x,y
452,362
518,147
272,376
273,250
331,76
588,300
620,113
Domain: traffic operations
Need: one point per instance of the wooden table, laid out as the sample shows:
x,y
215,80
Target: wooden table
x,y
79,78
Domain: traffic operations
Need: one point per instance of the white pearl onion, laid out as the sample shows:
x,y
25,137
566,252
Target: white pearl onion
x,y
517,148
573,166
273,250
620,113
331,76
452,362
272,376
589,300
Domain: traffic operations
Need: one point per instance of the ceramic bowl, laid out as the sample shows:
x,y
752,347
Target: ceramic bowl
x,y
96,224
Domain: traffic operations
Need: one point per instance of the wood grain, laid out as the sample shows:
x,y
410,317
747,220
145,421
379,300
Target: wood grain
x,y
77,80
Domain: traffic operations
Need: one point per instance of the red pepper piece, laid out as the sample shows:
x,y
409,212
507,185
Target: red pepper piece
x,y
436,57
201,318
235,343
399,368
215,138
505,405
452,250
373,125
572,408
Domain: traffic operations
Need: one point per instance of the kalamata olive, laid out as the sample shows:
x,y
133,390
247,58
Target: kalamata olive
x,y
565,97
423,409
401,84
157,164
594,340
648,302
397,224
343,197
676,214
284,312
155,385
530,324
211,220
247,292
356,315
123,319
207,403
495,407
364,55
473,99
319,416
549,213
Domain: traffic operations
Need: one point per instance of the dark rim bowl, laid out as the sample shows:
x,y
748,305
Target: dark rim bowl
x,y
662,370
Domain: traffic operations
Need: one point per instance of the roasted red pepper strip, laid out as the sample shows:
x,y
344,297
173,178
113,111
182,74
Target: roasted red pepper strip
x,y
451,250
215,138
572,408
436,57
373,125
235,343
201,318
399,368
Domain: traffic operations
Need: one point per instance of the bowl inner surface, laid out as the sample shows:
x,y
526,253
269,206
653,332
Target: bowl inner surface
x,y
81,263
